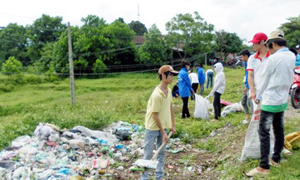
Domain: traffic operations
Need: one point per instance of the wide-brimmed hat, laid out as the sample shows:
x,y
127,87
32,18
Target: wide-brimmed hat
x,y
277,34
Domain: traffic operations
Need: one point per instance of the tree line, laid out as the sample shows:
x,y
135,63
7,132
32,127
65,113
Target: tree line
x,y
99,46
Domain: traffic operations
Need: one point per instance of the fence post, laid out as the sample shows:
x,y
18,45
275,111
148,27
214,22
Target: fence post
x,y
71,66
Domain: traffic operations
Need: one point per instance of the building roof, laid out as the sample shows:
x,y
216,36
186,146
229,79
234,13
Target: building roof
x,y
138,39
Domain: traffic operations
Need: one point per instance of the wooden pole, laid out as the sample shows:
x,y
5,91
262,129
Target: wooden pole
x,y
72,83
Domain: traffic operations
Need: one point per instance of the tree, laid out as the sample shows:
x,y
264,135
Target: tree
x,y
44,30
13,42
154,49
192,31
120,19
138,27
111,43
228,42
99,66
292,31
12,66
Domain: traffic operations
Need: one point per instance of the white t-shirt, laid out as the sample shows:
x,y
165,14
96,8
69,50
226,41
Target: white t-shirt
x,y
277,77
256,64
193,77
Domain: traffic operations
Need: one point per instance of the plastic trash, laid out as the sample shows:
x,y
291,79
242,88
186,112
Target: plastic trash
x,y
9,165
121,146
43,131
236,107
201,107
65,171
21,141
77,143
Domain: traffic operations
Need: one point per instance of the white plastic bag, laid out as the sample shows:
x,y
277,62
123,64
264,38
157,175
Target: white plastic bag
x,y
236,107
252,143
201,107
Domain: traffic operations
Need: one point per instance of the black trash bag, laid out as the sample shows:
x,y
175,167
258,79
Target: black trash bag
x,y
123,135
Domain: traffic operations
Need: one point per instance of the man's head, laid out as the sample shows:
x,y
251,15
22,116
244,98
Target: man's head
x,y
185,64
166,73
258,41
298,48
275,41
199,66
245,55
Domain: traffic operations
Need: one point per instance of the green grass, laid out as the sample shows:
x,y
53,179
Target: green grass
x,y
124,97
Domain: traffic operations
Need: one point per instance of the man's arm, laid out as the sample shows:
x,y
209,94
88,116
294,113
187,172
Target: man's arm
x,y
157,121
251,85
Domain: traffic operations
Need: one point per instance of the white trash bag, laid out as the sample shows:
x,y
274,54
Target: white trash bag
x,y
201,107
252,143
236,107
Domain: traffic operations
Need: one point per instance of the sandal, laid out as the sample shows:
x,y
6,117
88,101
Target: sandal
x,y
273,163
255,171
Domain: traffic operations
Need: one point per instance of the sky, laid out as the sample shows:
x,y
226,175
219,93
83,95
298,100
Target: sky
x,y
243,17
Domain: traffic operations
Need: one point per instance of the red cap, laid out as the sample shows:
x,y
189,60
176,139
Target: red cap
x,y
259,37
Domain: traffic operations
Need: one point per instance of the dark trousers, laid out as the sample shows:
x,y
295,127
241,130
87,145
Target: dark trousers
x,y
194,87
267,119
185,109
210,77
217,105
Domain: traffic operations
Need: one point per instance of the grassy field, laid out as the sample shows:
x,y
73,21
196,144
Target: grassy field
x,y
124,97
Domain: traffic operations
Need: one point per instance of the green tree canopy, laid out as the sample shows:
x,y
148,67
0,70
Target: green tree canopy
x,y
12,66
111,43
44,30
228,42
192,31
292,31
13,42
138,27
154,49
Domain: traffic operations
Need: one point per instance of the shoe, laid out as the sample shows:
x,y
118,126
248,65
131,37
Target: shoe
x,y
286,152
257,171
273,163
245,122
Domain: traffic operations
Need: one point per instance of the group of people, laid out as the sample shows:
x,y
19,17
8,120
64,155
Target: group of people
x,y
268,76
189,81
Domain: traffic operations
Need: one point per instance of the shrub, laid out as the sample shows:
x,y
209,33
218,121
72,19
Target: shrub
x,y
34,79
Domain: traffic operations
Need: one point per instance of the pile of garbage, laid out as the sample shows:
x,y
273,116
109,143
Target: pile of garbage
x,y
78,153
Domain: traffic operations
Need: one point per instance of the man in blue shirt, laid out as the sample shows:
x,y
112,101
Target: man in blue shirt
x,y
246,101
298,56
201,77
185,87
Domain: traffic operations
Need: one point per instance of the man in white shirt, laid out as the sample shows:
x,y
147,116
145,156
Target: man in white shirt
x,y
194,82
256,63
276,79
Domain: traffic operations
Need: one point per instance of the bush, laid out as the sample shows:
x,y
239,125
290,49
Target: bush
x,y
20,79
34,79
6,87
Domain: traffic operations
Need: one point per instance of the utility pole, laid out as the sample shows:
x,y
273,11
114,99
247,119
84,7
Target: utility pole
x,y
71,66
138,13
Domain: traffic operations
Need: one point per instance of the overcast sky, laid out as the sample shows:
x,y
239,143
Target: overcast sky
x,y
244,17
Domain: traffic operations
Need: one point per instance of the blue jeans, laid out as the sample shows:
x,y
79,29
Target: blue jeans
x,y
201,89
150,137
268,119
210,77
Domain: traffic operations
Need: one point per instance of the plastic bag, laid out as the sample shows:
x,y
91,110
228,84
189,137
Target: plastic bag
x,y
236,107
252,143
201,107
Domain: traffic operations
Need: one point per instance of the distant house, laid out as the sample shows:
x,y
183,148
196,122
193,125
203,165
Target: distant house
x,y
178,51
138,40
